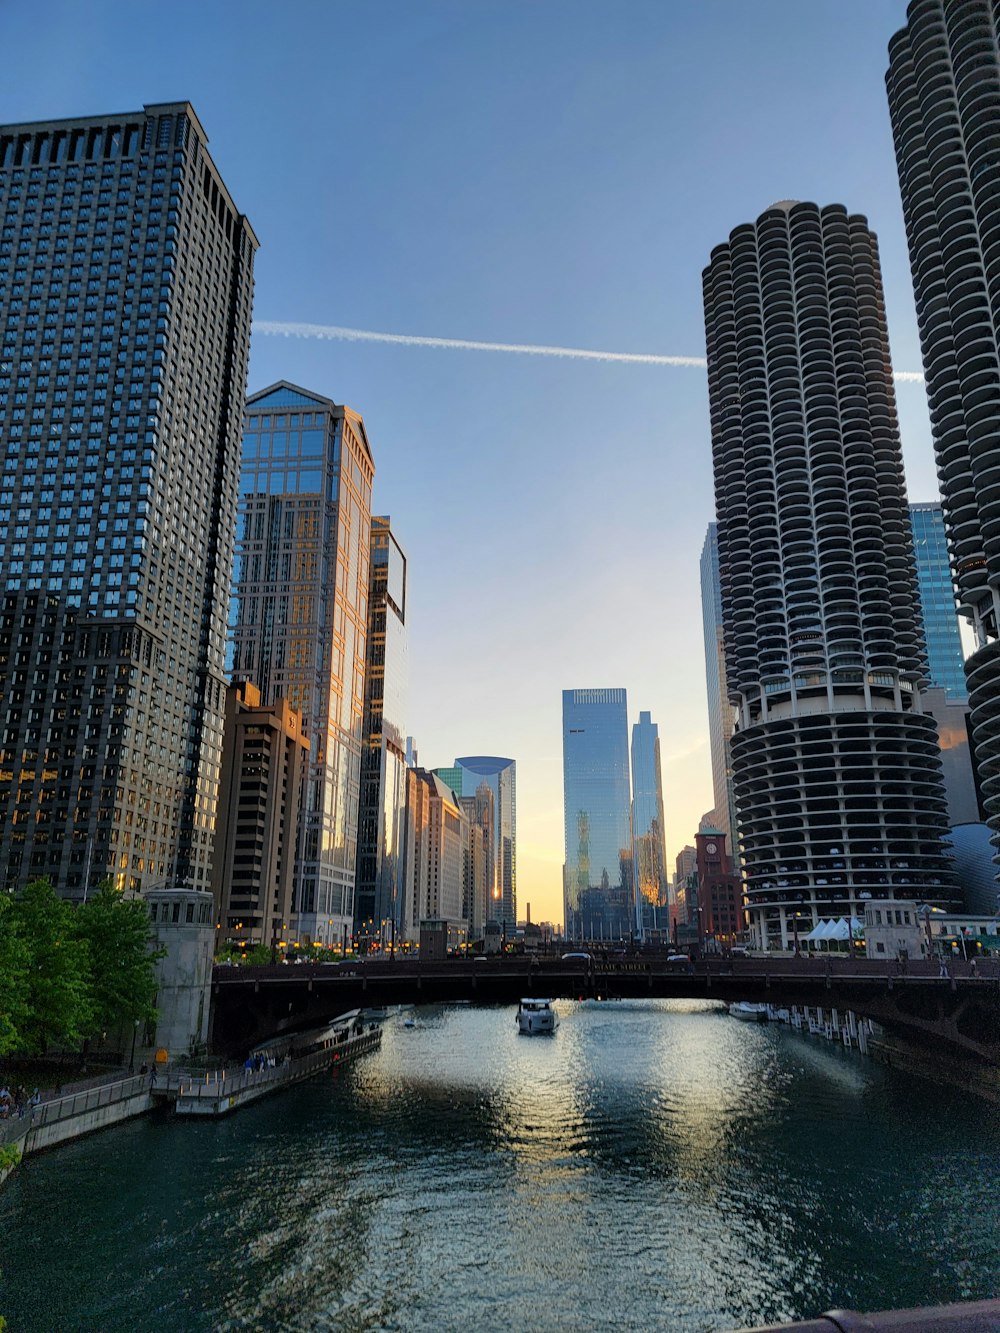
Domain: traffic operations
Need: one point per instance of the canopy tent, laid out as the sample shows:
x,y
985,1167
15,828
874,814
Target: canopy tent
x,y
839,930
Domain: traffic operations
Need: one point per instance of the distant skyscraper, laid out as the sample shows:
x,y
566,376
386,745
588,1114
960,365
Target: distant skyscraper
x,y
945,659
598,865
300,618
126,285
383,761
944,101
836,772
500,775
436,859
649,853
720,711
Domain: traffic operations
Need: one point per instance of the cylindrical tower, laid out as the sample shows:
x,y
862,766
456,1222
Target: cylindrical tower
x,y
944,100
837,773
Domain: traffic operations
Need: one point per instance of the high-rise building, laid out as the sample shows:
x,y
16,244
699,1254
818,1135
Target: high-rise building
x,y
598,866
436,858
480,809
263,759
721,717
945,658
300,619
126,285
377,904
649,853
944,101
836,771
500,775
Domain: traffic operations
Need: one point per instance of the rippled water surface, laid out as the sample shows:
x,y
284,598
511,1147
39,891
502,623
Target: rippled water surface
x,y
651,1166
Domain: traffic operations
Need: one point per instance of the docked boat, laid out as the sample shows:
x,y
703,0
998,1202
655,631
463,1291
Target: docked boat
x,y
750,1013
535,1017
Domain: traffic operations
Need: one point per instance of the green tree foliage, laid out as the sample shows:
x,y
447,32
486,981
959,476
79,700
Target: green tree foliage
x,y
59,1008
117,936
15,960
67,972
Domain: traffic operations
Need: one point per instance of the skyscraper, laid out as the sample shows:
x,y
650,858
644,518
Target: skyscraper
x,y
500,775
945,658
300,619
383,760
720,710
598,866
836,772
649,853
126,285
944,100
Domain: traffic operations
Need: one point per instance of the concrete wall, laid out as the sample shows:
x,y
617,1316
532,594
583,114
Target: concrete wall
x,y
182,923
47,1136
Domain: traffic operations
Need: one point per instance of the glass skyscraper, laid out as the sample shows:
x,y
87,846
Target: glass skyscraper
x,y
299,619
945,659
598,867
721,715
378,905
126,285
500,775
649,853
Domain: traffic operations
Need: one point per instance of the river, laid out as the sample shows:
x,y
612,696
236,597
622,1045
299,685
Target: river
x,y
652,1165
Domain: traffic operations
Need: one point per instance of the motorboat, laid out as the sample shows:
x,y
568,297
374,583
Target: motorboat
x,y
536,1016
750,1013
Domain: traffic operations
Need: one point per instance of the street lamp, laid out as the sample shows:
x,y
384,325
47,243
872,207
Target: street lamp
x,y
135,1033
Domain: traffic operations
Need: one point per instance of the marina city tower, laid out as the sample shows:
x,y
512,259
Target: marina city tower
x,y
836,772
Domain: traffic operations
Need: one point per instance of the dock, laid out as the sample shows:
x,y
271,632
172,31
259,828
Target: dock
x,y
293,1059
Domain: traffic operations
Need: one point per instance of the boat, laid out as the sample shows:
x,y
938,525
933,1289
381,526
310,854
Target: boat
x,y
536,1016
409,1022
750,1013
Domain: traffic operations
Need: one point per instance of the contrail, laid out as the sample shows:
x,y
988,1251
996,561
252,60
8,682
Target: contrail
x,y
338,333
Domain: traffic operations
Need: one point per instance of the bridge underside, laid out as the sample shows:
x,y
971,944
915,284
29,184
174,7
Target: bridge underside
x,y
958,1017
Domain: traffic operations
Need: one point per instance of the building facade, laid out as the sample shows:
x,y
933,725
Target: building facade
x,y
945,658
436,858
721,716
944,102
126,286
720,895
264,757
500,775
377,904
836,770
299,619
596,811
481,812
649,852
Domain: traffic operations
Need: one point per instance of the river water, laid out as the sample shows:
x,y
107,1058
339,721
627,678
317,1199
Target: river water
x,y
651,1166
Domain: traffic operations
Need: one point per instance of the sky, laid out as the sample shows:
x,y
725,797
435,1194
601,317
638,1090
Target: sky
x,y
546,172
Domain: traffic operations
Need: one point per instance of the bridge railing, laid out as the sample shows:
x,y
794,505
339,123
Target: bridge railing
x,y
967,1317
78,1103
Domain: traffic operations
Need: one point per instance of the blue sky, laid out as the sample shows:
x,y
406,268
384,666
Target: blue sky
x,y
549,172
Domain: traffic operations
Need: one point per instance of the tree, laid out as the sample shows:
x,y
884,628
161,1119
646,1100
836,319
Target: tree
x,y
120,961
15,960
57,1002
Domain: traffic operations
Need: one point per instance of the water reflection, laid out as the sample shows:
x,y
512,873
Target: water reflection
x,y
651,1166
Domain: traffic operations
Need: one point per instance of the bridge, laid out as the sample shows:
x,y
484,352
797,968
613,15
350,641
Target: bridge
x,y
957,1014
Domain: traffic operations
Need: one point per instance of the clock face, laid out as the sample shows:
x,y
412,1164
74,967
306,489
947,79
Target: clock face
x,y
711,848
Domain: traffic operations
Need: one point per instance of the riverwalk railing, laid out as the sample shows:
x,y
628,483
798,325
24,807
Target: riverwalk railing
x,y
14,1128
79,1103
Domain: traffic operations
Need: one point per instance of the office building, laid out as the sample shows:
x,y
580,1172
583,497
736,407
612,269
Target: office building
x,y
720,897
836,771
944,102
300,619
480,810
596,808
500,775
126,285
377,904
263,759
649,853
435,859
945,658
721,716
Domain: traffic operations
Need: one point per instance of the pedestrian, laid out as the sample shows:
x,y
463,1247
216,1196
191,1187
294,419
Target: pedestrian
x,y
943,967
152,1078
144,1068
974,968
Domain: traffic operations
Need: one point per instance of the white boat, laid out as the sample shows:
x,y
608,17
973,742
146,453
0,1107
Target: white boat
x,y
536,1016
750,1013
